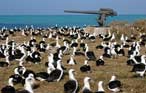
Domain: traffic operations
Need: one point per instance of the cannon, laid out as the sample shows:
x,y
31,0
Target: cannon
x,y
102,13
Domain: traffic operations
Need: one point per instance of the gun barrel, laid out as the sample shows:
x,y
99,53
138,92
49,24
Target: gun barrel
x,y
82,12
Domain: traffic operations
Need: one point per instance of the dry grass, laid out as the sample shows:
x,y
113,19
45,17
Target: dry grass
x,y
112,66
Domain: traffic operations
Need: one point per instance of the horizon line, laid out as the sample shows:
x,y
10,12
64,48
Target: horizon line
x,y
55,14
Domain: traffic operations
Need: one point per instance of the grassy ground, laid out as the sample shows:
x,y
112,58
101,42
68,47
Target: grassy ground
x,y
112,66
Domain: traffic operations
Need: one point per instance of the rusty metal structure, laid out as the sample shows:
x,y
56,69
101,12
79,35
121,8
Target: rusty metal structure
x,y
102,13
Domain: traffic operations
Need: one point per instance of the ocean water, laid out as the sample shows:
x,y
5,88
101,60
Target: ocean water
x,y
10,21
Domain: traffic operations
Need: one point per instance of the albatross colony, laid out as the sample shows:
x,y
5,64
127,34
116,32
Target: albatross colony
x,y
49,54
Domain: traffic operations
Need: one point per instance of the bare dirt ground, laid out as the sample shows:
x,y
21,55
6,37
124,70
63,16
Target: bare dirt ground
x,y
117,66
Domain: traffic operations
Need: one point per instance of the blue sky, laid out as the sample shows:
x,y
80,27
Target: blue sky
x,y
53,7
